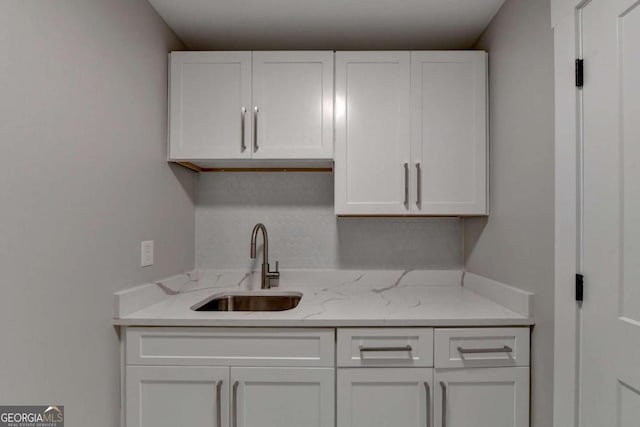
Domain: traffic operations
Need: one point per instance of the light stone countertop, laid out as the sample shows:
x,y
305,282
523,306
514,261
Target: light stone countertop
x,y
332,298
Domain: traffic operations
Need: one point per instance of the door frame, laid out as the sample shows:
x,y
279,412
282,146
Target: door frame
x,y
565,20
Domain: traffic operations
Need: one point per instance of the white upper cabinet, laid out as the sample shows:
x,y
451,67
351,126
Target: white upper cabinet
x,y
411,133
410,127
293,105
372,133
244,105
208,93
449,132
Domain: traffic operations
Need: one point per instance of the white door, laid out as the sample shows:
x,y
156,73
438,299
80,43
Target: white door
x,y
282,397
209,102
610,353
293,105
161,396
384,397
373,145
449,132
482,397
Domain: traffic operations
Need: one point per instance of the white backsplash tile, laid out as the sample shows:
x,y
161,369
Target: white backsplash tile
x,y
297,209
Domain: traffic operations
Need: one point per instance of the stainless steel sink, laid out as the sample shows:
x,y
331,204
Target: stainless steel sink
x,y
258,301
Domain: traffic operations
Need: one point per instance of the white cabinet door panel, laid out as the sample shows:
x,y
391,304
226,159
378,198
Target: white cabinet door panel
x,y
162,396
208,92
372,132
449,132
384,397
293,94
283,397
483,397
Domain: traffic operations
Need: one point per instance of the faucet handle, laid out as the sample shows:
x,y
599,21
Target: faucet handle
x,y
274,276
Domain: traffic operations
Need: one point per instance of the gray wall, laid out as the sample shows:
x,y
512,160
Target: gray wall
x,y
297,209
83,179
516,244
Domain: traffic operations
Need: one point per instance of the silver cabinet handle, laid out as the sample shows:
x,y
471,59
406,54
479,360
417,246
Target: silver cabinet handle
x,y
419,184
219,404
406,185
243,146
505,349
428,390
234,408
444,403
255,129
403,348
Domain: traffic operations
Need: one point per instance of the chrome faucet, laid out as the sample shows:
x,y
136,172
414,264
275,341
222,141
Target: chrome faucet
x,y
267,275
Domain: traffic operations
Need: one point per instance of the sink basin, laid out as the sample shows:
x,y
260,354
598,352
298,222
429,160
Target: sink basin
x,y
256,301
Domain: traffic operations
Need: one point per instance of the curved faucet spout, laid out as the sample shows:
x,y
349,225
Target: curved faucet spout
x,y
265,242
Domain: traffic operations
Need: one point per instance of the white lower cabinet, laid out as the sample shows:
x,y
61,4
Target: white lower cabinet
x,y
386,377
384,397
229,377
282,397
170,396
482,397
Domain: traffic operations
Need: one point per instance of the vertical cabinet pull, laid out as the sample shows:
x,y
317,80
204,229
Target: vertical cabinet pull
x,y
428,391
234,407
406,185
419,184
444,403
243,146
255,129
219,404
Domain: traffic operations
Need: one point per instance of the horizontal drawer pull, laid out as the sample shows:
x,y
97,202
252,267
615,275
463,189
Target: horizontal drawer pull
x,y
403,348
384,347
505,349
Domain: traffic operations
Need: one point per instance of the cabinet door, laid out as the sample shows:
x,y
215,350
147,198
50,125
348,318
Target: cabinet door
x,y
483,397
383,397
372,133
160,396
282,397
449,132
293,105
209,94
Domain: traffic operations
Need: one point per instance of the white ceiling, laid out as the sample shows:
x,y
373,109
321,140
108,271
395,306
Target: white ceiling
x,y
327,24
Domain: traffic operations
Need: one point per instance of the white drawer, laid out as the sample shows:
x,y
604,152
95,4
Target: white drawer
x,y
385,347
481,347
230,346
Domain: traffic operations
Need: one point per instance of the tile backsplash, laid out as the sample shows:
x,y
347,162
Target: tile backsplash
x,y
297,209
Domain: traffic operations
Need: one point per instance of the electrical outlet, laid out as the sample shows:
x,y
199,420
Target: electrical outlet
x,y
146,258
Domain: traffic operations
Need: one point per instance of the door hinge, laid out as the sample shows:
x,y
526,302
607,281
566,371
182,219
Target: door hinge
x,y
579,287
579,72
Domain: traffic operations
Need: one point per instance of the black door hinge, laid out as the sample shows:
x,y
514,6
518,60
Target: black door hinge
x,y
579,72
579,287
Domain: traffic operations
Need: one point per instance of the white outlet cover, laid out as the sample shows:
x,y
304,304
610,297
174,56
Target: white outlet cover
x,y
146,256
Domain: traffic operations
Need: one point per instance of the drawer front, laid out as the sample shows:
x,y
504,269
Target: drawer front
x,y
385,347
481,347
230,346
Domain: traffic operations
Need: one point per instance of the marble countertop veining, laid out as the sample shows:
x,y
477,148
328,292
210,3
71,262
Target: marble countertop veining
x,y
330,298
